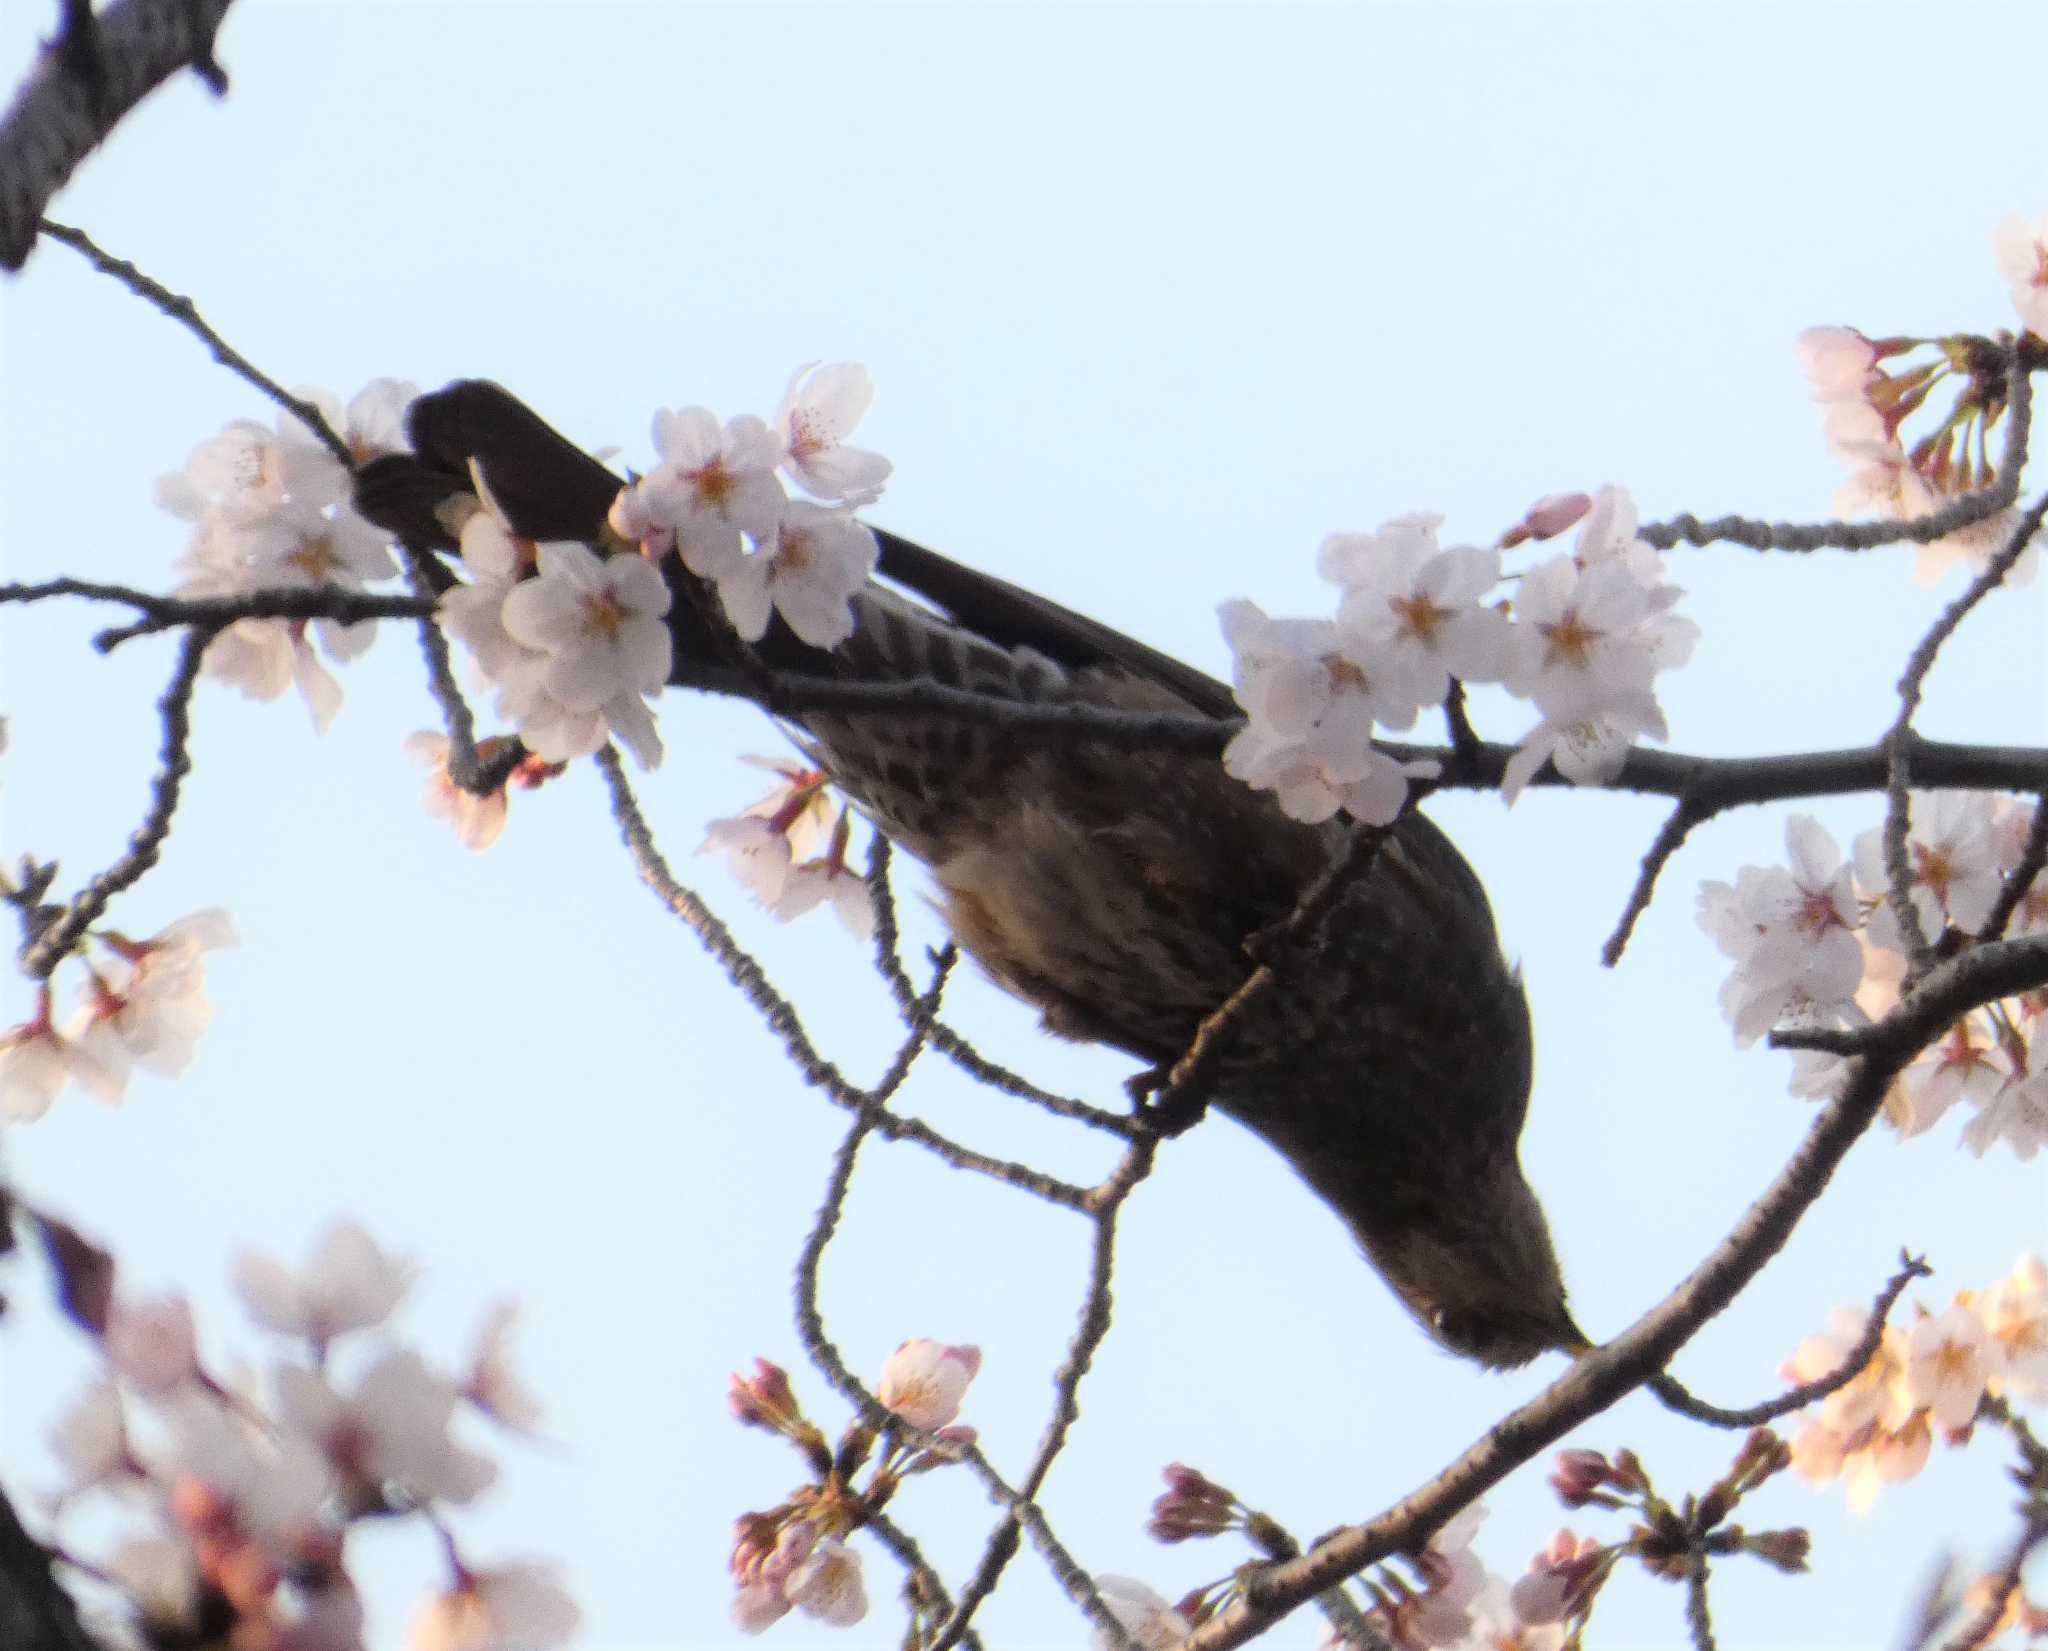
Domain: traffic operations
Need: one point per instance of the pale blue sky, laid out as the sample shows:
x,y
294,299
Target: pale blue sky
x,y
1154,298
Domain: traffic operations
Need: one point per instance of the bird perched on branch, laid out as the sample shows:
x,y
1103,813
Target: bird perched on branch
x,y
1118,890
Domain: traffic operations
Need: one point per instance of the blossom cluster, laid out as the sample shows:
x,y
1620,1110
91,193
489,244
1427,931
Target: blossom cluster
x,y
717,500
144,1004
573,641
1582,637
1930,1377
773,846
1819,943
270,511
573,638
795,1556
1869,387
233,1507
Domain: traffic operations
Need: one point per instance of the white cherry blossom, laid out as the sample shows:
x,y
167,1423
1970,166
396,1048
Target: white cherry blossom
x,y
2015,1313
1143,1613
714,484
517,1607
2021,250
349,1283
393,1428
807,569
923,1381
819,409
826,1584
1948,1360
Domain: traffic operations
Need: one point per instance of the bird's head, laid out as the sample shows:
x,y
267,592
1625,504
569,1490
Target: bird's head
x,y
1480,1274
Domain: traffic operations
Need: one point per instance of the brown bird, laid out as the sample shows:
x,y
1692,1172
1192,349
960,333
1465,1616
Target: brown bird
x,y
1117,891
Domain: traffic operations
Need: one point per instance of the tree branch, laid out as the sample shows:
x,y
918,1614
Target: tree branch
x,y
86,81
1605,1374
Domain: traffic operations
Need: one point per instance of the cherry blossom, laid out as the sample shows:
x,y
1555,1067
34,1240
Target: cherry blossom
x,y
1792,935
598,621
2015,1314
807,569
236,1483
1560,1577
828,879
826,1584
151,1342
246,473
1310,706
761,842
518,1607
1947,1364
148,1005
923,1381
492,1385
821,406
35,1064
2021,250
348,1284
90,1440
392,1429
2017,1113
1415,610
1586,733
1838,362
1953,859
713,485
477,819
1142,1613
1964,1064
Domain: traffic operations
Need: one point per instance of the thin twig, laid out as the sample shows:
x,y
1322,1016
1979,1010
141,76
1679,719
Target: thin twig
x,y
186,313
1697,1621
943,1037
1922,530
1670,837
1677,1397
745,972
174,762
2019,882
1093,1326
96,71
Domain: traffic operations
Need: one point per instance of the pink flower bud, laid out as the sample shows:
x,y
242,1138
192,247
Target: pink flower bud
x,y
763,1399
1578,1474
1554,512
1785,1549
